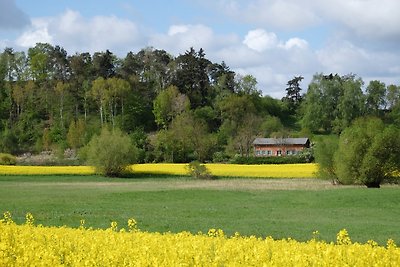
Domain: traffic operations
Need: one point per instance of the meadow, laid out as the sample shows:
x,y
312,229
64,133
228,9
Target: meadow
x,y
278,207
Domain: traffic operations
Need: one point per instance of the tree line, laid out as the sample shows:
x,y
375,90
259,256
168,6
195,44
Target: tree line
x,y
174,109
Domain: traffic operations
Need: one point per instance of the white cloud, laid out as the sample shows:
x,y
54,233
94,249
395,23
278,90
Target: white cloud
x,y
288,15
369,19
376,20
76,33
296,43
260,40
37,34
181,37
345,57
177,29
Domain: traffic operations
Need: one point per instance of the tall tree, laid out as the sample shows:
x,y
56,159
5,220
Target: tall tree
x,y
59,64
99,94
81,68
351,104
320,106
192,77
293,93
376,92
393,96
104,64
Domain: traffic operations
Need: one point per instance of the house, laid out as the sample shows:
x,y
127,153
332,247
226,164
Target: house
x,y
272,147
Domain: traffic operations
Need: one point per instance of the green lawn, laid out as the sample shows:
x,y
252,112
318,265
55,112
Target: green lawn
x,y
280,208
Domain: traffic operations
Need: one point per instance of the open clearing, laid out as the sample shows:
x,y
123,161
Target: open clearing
x,y
262,207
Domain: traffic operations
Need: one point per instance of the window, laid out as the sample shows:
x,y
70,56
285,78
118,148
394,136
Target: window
x,y
269,152
258,152
279,153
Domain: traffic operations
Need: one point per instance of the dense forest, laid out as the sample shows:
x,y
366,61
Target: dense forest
x,y
175,109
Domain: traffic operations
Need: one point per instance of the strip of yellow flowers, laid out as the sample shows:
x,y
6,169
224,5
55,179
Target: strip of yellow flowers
x,y
29,245
233,170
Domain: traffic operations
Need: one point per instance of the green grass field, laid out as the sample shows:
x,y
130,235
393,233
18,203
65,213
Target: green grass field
x,y
280,208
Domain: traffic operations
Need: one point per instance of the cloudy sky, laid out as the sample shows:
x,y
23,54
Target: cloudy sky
x,y
273,40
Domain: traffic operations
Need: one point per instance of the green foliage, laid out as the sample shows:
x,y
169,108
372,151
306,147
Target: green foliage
x,y
219,157
42,92
301,158
324,150
198,170
8,142
332,102
111,152
7,159
382,160
368,153
168,104
270,125
76,134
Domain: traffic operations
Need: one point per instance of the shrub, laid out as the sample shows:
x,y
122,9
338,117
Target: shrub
x,y
198,170
111,152
7,159
273,160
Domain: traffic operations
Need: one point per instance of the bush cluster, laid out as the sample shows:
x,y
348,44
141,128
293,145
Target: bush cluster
x,y
301,158
7,159
198,170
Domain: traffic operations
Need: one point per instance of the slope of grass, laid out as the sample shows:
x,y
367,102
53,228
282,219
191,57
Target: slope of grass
x,y
279,208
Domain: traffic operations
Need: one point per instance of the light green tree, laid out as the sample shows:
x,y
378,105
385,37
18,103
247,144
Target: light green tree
x,y
368,153
376,93
168,104
324,151
111,152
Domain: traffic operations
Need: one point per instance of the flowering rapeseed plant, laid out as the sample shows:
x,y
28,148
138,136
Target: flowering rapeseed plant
x,y
234,170
46,170
24,245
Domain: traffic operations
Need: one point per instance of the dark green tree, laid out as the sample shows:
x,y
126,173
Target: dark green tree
x,y
104,64
293,93
192,77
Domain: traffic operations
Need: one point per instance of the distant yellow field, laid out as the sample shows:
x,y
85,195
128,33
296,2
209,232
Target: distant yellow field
x,y
45,170
233,170
236,170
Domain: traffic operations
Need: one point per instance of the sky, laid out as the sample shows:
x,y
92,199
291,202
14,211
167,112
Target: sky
x,y
273,40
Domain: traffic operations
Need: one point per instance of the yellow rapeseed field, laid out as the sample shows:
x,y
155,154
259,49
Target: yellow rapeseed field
x,y
45,170
235,170
29,245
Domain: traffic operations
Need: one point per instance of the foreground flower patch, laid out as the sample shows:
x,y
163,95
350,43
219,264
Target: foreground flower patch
x,y
29,245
